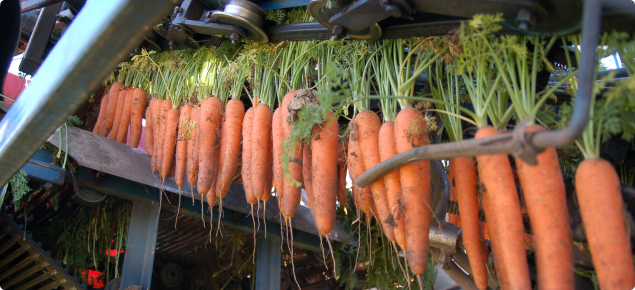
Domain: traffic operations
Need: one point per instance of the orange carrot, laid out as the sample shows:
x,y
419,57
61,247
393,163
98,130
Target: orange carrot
x,y
169,145
109,117
230,145
498,178
246,166
212,189
121,102
192,149
356,168
181,146
368,125
415,184
269,174
155,111
277,136
166,105
260,138
393,184
465,182
501,270
173,166
102,110
136,117
292,193
452,218
546,201
341,173
307,183
122,133
324,140
150,129
210,120
600,199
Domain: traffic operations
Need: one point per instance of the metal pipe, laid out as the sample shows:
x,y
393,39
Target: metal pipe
x,y
520,144
455,273
444,237
103,34
591,26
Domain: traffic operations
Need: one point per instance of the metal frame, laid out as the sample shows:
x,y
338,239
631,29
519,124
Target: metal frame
x,y
269,261
140,244
96,41
39,38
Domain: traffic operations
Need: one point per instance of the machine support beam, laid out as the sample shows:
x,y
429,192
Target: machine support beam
x,y
140,245
269,260
102,35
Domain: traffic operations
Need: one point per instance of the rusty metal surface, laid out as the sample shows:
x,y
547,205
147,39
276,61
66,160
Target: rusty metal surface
x,y
111,157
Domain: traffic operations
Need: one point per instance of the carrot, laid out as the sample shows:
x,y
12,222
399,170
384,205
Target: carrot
x,y
601,206
181,146
498,178
341,173
501,270
111,110
307,183
452,218
277,136
269,173
166,105
139,102
217,136
324,140
122,134
169,143
121,102
356,168
156,120
546,201
212,199
230,145
260,138
102,110
192,149
368,125
150,128
292,193
465,182
415,184
209,120
393,184
246,166
173,166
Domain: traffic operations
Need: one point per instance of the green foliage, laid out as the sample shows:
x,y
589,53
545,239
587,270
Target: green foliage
x,y
19,187
83,239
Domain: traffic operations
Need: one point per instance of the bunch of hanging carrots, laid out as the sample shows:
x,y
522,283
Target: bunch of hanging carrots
x,y
197,129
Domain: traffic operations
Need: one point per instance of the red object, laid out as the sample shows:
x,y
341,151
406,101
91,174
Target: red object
x,y
94,278
113,253
13,86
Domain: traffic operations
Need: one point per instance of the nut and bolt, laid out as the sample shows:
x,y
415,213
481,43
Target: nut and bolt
x,y
234,37
525,20
339,32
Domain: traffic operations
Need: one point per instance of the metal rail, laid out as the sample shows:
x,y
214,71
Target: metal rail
x,y
101,35
520,144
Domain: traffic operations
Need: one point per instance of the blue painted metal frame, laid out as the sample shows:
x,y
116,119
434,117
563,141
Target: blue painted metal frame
x,y
101,35
44,172
283,4
140,245
268,263
136,192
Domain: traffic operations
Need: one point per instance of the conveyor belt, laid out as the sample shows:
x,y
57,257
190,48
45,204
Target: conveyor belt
x,y
24,265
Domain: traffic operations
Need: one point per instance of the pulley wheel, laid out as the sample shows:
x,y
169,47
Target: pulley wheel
x,y
246,15
171,275
317,9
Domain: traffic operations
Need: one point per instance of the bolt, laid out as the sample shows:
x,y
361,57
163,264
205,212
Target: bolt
x,y
235,37
209,16
525,20
339,32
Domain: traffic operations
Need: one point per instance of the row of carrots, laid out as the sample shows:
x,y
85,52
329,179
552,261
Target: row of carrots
x,y
204,141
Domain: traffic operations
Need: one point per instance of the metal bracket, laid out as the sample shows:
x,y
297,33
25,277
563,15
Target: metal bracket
x,y
40,37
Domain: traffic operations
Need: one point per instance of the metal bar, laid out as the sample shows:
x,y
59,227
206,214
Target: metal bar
x,y
17,267
269,260
459,277
102,35
441,189
520,144
39,38
37,4
44,172
283,4
140,245
591,26
9,244
52,285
